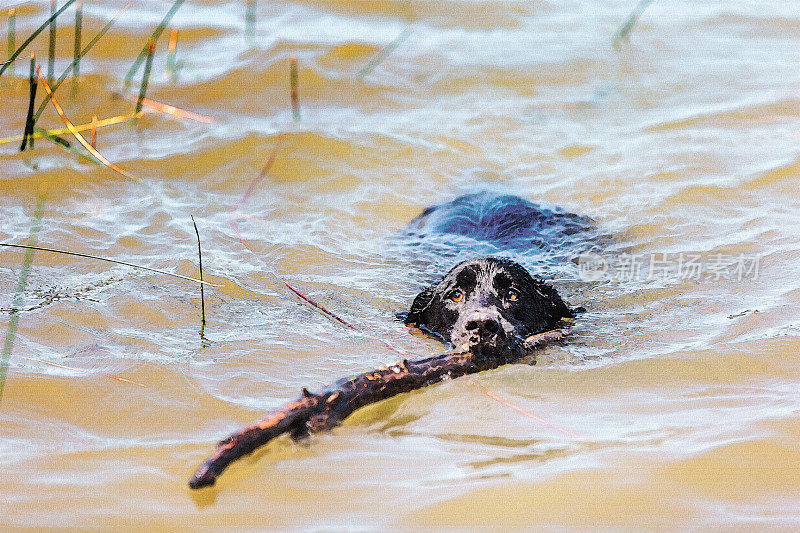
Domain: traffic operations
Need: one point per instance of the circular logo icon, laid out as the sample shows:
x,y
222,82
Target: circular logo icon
x,y
591,267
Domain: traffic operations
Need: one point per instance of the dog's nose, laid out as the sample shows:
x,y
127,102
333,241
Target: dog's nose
x,y
483,326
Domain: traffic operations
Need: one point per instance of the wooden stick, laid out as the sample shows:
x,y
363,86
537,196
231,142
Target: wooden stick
x,y
324,410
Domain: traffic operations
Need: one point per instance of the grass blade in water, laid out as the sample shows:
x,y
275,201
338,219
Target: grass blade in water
x,y
380,56
27,138
153,37
145,78
76,55
12,18
51,55
625,30
202,292
30,39
83,53
77,134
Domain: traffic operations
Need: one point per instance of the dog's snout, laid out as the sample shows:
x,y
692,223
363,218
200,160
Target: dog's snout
x,y
483,325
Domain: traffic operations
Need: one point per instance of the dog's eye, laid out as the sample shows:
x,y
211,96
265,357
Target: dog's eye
x,y
512,295
457,295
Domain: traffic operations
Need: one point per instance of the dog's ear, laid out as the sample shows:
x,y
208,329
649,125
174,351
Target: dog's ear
x,y
554,305
418,315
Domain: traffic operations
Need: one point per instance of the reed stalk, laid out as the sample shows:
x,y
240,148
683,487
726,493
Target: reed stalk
x,y
293,82
153,37
74,131
19,296
250,19
51,55
383,54
76,59
27,137
12,24
146,76
30,39
624,31
39,133
80,56
93,134
173,46
202,292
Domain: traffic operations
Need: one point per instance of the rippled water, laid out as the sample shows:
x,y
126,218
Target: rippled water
x,y
678,390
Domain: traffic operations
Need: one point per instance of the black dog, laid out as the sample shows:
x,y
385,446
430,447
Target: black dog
x,y
492,304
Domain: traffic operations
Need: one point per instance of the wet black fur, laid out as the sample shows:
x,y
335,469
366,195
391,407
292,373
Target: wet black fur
x,y
472,306
491,303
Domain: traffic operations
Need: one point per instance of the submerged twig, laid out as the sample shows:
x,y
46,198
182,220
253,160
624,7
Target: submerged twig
x,y
18,297
30,39
112,376
107,260
624,30
282,281
326,409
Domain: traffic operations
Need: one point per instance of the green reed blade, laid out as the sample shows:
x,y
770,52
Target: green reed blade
x,y
66,145
153,37
200,260
380,56
34,34
27,138
12,24
625,29
80,56
51,55
76,55
171,49
293,83
147,66
16,307
107,260
250,19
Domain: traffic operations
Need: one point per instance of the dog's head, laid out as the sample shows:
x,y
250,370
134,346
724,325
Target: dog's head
x,y
488,304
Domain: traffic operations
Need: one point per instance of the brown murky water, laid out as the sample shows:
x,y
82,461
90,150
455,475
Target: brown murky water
x,y
679,388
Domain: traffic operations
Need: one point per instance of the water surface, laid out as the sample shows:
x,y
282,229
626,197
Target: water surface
x,y
678,388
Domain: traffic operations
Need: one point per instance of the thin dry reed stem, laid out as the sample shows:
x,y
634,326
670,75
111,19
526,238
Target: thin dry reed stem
x,y
107,260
